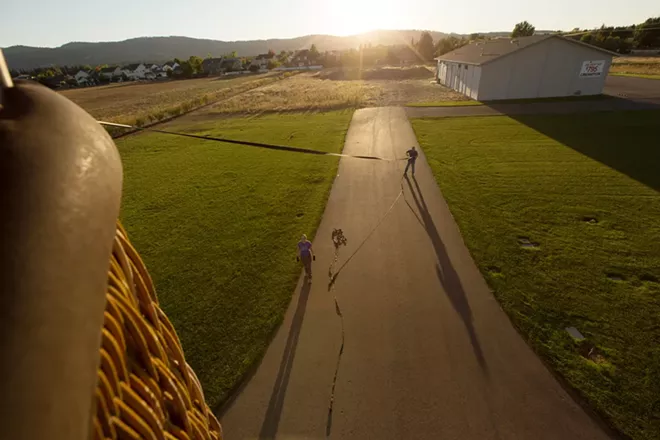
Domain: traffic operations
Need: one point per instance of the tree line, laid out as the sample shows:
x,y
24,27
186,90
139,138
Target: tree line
x,y
623,39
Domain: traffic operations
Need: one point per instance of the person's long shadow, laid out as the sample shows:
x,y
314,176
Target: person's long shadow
x,y
447,274
274,411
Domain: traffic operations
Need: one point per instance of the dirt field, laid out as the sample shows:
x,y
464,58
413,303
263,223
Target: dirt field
x,y
309,92
153,101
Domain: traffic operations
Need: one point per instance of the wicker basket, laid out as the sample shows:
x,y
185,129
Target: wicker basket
x,y
145,389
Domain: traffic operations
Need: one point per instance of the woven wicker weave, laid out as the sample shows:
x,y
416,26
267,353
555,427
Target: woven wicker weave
x,y
145,389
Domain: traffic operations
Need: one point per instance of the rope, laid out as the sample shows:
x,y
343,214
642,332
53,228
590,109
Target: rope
x,y
389,210
339,240
250,144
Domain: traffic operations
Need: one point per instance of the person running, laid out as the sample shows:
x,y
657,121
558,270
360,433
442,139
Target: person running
x,y
412,157
306,254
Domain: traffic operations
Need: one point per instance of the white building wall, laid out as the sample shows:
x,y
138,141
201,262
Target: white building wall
x,y
568,80
464,78
548,69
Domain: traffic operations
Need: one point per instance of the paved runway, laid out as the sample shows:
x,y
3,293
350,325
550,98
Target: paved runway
x,y
428,352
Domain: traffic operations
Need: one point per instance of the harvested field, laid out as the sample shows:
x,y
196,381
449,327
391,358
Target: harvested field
x,y
309,92
140,103
636,66
385,73
636,60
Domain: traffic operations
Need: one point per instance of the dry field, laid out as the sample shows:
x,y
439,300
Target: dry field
x,y
308,92
636,65
140,103
144,103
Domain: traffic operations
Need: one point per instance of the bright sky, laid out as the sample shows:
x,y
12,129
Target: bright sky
x,y
51,23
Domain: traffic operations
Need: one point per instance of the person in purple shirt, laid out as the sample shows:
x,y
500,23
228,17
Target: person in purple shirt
x,y
306,254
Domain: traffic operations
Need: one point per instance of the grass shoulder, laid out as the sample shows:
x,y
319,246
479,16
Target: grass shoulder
x,y
217,226
585,192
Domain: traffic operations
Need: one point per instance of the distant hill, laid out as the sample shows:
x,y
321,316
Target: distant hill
x,y
160,49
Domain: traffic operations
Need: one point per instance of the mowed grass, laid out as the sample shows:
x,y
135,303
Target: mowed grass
x,y
585,189
638,75
217,225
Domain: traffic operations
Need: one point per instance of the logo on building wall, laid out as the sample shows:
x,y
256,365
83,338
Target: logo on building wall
x,y
592,69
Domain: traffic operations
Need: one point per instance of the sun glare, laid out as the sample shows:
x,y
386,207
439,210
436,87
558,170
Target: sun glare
x,y
346,17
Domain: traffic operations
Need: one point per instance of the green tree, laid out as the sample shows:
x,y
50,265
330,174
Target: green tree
x,y
273,64
448,44
313,52
647,34
523,29
587,38
425,46
195,63
187,69
271,53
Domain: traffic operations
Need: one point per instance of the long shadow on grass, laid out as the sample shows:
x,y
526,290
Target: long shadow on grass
x,y
447,274
626,141
274,411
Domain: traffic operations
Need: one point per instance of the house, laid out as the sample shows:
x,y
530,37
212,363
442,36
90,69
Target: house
x,y
169,66
135,71
405,55
57,81
158,71
120,72
300,58
538,66
231,65
107,73
82,78
262,60
212,66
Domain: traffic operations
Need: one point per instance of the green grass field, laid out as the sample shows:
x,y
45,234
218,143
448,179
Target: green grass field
x,y
638,75
586,190
217,225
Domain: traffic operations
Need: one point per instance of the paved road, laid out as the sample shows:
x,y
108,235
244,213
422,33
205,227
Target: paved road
x,y
428,352
628,87
629,93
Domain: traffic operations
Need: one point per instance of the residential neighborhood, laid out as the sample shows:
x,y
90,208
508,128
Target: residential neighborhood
x,y
194,67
